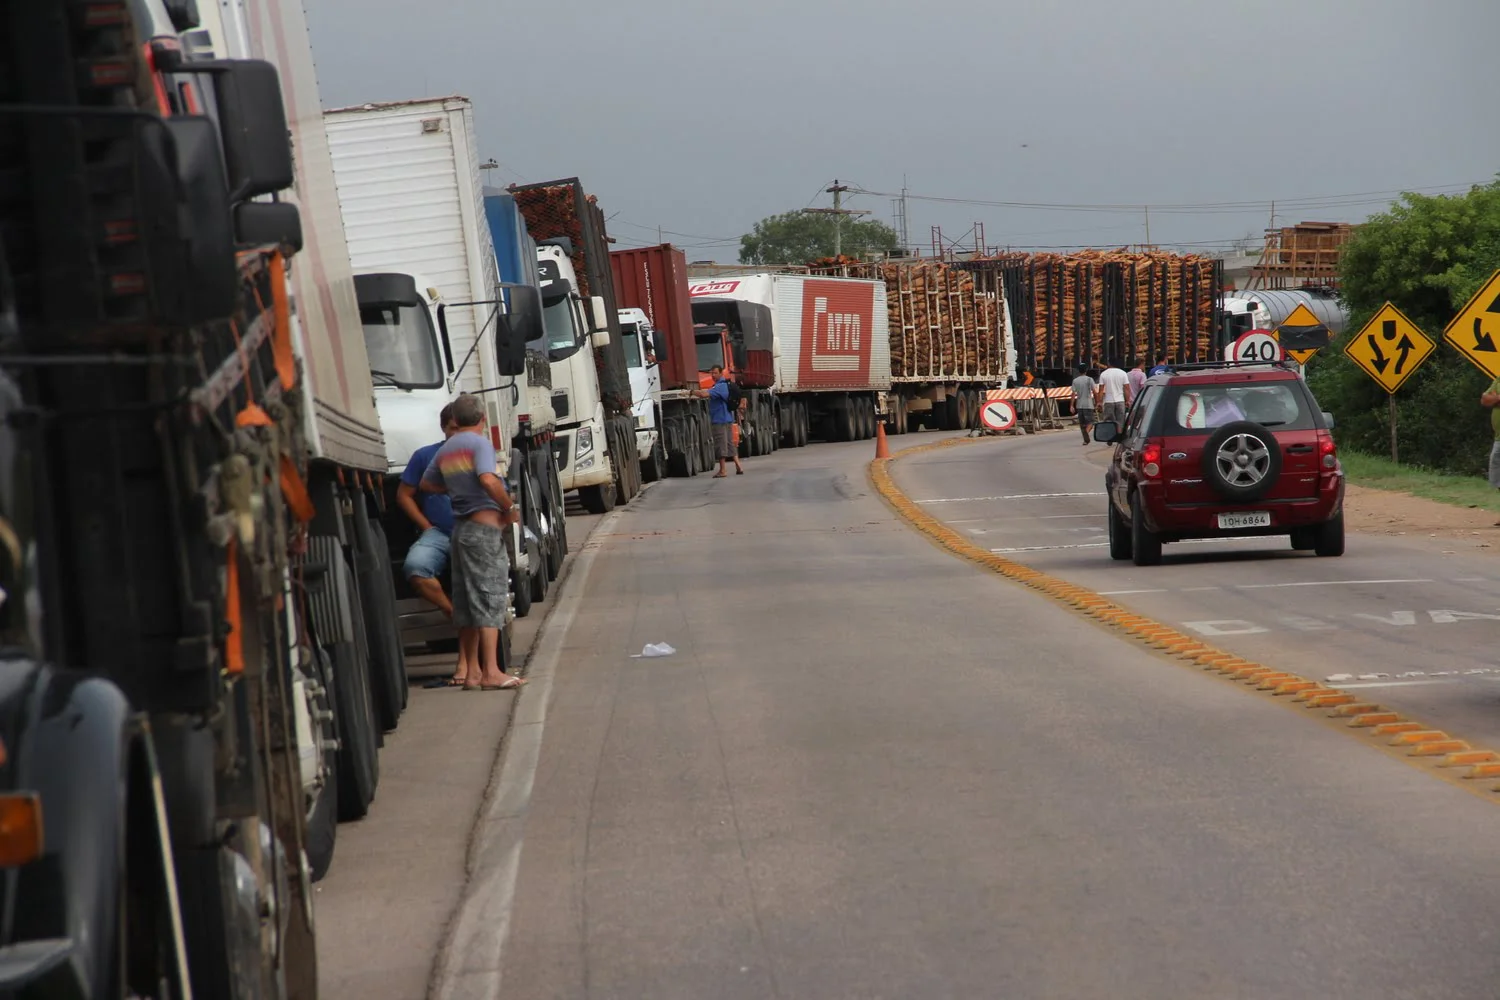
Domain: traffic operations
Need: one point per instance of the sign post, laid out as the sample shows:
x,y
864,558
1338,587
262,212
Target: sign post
x,y
1389,349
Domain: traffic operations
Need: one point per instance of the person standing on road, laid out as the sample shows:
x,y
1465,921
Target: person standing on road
x,y
1114,390
721,415
432,513
1084,391
1490,400
464,469
1137,379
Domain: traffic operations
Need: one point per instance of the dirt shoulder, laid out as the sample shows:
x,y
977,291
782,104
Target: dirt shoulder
x,y
1384,512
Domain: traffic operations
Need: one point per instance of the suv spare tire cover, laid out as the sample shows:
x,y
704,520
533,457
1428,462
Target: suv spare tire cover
x,y
1252,461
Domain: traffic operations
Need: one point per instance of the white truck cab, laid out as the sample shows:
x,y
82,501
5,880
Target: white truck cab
x,y
573,327
411,367
645,388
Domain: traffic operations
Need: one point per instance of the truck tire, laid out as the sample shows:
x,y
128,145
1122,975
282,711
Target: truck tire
x,y
520,590
654,465
358,755
804,424
395,649
951,415
378,614
322,818
683,445
598,499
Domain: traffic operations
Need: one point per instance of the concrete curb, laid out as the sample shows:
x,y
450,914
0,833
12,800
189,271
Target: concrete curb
x,y
1432,750
469,960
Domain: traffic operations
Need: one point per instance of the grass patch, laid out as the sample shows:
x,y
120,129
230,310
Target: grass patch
x,y
1383,474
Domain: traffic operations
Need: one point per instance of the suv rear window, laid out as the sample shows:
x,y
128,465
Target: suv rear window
x,y
1198,409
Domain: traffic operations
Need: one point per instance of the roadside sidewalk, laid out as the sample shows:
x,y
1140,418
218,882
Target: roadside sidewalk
x,y
398,874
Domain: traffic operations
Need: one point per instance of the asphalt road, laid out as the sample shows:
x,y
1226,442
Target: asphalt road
x,y
1408,622
873,770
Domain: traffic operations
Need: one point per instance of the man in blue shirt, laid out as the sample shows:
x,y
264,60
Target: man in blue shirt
x,y
721,416
432,513
1159,367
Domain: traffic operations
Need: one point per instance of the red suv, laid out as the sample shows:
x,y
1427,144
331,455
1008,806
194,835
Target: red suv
x,y
1223,450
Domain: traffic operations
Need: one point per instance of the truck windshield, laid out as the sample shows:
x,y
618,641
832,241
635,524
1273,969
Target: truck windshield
x,y
562,334
710,348
399,340
630,336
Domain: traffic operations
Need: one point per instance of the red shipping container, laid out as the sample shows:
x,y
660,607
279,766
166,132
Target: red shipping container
x,y
654,280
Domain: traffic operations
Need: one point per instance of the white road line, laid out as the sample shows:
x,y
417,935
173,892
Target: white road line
x,y
470,961
1471,579
1022,517
1044,548
1393,684
1198,590
1318,583
1117,593
1013,496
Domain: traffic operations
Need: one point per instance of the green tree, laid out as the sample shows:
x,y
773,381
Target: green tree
x,y
1427,256
798,237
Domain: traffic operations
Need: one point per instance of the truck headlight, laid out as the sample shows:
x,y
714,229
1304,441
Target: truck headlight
x,y
585,442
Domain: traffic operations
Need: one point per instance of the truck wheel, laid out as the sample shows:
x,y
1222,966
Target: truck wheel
x,y
539,578
804,424
395,650
378,614
598,499
322,818
358,760
653,466
871,417
679,457
520,593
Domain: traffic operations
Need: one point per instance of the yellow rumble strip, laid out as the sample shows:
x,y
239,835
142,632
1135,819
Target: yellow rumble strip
x,y
1431,750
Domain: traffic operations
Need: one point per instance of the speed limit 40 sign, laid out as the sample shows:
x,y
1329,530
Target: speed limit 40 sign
x,y
1257,345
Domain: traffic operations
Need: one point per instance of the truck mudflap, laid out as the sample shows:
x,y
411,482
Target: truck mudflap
x,y
73,741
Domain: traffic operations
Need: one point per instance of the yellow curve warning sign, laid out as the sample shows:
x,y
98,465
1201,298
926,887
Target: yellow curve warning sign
x,y
1476,329
1389,348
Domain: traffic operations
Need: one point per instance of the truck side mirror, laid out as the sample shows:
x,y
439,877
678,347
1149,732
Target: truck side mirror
x,y
257,144
598,318
521,324
659,346
207,280
257,223
600,339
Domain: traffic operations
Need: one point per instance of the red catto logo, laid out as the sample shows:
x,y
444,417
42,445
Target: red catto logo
x,y
714,288
837,323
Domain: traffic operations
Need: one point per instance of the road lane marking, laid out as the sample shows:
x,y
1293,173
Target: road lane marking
x,y
1020,517
1118,593
1012,496
1455,761
1392,684
1319,583
1046,548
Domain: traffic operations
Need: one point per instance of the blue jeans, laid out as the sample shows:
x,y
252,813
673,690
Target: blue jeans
x,y
428,555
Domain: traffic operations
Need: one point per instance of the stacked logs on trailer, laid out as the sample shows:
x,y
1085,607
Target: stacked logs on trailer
x,y
943,327
1099,306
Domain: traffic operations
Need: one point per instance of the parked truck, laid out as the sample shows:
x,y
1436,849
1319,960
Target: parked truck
x,y
811,354
199,626
595,446
656,323
435,311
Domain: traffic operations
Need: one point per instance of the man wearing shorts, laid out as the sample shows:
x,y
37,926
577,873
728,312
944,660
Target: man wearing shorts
x,y
722,419
1083,400
1491,401
432,513
1114,385
464,469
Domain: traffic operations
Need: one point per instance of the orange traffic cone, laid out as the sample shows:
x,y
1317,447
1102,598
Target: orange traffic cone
x,y
881,451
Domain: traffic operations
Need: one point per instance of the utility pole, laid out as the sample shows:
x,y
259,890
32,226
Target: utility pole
x,y
1147,209
838,211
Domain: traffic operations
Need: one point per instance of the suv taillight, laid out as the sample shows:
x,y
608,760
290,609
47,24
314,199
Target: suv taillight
x,y
1151,460
1328,451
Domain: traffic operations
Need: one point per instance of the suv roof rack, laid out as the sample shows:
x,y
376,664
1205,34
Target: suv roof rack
x,y
1198,366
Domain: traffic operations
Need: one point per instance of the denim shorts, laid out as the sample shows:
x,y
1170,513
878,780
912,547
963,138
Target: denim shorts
x,y
428,555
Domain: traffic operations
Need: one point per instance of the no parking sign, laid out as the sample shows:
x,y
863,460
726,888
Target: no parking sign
x,y
998,415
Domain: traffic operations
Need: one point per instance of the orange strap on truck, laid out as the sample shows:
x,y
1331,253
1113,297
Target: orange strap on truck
x,y
281,337
295,491
234,650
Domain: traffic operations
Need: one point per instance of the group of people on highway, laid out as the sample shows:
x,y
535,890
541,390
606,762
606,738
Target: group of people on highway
x,y
1112,394
451,492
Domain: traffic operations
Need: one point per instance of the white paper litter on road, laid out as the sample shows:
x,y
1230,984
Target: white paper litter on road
x,y
653,649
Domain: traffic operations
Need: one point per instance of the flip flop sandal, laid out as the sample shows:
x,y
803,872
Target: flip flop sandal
x,y
509,684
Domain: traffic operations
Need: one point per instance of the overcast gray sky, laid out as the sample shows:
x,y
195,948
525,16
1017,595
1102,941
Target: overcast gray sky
x,y
702,118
